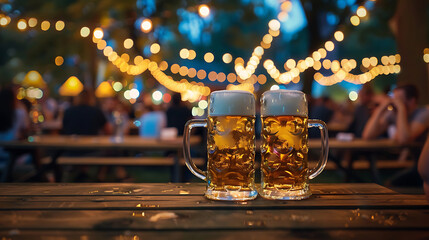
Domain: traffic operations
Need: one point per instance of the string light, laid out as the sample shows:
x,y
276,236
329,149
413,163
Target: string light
x,y
59,61
128,43
32,22
203,10
246,78
45,25
22,24
146,25
59,25
84,32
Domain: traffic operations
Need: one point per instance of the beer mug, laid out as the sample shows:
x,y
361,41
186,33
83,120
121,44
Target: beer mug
x,y
284,167
230,127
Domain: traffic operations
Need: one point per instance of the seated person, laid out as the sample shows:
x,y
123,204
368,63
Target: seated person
x,y
400,112
152,122
409,122
84,119
178,114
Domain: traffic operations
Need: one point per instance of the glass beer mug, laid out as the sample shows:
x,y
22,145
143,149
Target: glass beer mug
x,y
284,168
230,127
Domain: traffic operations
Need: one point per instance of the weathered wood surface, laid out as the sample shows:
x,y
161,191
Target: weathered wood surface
x,y
194,202
153,189
248,234
179,211
136,143
97,143
215,219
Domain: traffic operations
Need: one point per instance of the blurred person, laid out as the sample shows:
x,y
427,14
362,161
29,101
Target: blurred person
x,y
423,167
178,114
323,109
116,115
152,121
14,124
404,121
118,119
400,113
363,110
14,119
84,119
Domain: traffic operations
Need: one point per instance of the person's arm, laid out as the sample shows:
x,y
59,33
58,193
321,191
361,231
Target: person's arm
x,y
377,123
423,167
403,130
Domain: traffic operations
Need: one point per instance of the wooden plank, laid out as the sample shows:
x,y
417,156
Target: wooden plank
x,y
382,164
150,189
215,219
194,202
248,234
97,143
121,161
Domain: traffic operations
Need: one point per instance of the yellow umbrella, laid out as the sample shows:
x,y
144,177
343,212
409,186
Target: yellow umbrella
x,y
72,87
104,90
33,79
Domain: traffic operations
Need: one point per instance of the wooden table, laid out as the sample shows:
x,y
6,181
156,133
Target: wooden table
x,y
367,148
82,143
179,211
60,144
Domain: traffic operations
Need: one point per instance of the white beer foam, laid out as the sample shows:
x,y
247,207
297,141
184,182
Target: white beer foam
x,y
231,103
284,103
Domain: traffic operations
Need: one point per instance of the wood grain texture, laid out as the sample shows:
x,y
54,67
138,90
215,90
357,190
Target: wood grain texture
x,y
149,189
248,234
214,219
180,211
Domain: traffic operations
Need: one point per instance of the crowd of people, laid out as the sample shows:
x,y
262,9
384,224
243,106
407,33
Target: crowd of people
x,y
396,116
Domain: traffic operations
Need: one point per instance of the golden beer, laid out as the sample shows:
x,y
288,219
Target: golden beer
x,y
230,124
231,153
284,168
284,153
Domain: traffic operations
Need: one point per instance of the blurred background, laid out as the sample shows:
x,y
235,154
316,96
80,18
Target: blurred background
x,y
133,57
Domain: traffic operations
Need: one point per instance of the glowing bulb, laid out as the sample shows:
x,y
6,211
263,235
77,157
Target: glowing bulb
x,y
59,25
117,86
227,58
353,96
134,93
59,61
329,45
290,63
98,33
155,48
203,104
209,57
339,36
84,32
192,54
45,25
128,43
426,58
184,53
32,22
146,25
22,24
361,11
157,96
274,25
204,11
355,20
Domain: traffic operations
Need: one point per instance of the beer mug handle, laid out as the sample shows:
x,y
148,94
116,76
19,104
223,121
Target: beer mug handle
x,y
187,147
325,147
